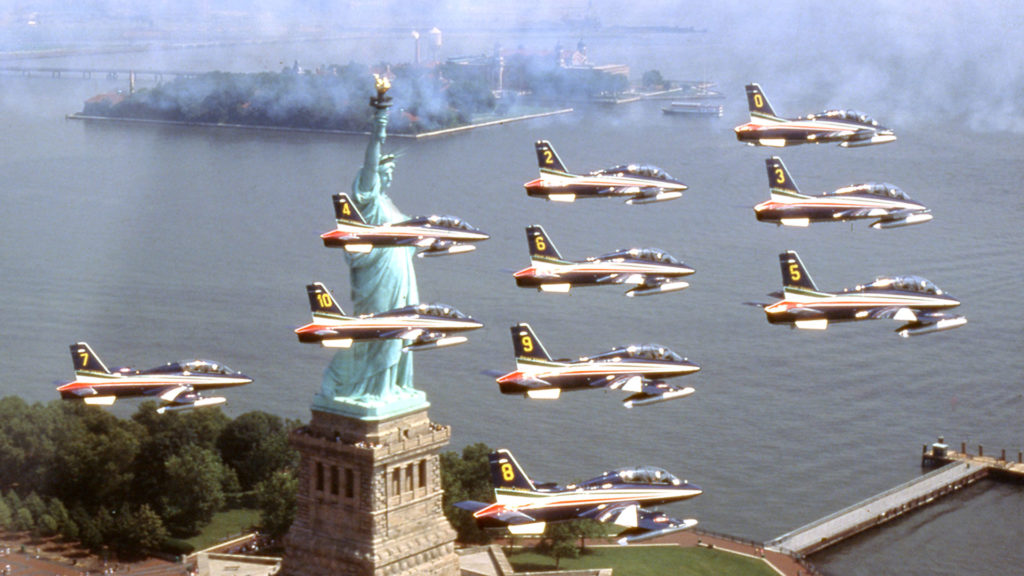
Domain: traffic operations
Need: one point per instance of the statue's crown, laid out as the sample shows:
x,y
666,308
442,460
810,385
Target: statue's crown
x,y
384,159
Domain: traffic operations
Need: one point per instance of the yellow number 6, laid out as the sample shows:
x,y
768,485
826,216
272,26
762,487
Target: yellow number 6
x,y
540,243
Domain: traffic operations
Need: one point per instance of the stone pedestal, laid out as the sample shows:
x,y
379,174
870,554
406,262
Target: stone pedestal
x,y
369,498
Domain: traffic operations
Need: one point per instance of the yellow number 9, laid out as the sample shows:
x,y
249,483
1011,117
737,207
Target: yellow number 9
x,y
794,272
527,344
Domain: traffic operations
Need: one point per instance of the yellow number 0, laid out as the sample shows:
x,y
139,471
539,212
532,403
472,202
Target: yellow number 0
x,y
794,272
758,101
540,244
507,474
780,176
527,344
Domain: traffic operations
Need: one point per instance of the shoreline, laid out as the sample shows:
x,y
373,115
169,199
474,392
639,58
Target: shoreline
x,y
431,134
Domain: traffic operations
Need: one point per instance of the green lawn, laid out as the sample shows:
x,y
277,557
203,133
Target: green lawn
x,y
224,526
650,561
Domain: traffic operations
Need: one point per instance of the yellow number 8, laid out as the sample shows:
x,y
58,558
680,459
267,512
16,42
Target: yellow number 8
x,y
507,474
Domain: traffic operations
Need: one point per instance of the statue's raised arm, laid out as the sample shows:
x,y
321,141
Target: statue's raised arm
x,y
368,181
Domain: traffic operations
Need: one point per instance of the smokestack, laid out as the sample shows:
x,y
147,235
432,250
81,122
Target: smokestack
x,y
435,43
416,38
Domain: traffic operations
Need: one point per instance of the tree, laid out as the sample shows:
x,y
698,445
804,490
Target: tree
x,y
561,542
133,532
276,499
466,478
193,491
255,445
5,513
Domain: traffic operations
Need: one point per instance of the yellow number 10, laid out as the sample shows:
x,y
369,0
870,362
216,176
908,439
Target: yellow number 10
x,y
324,300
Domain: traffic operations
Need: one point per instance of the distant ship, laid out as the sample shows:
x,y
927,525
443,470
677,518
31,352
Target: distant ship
x,y
694,109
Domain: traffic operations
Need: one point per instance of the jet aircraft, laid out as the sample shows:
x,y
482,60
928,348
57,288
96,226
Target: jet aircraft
x,y
651,270
616,496
425,326
635,369
849,128
637,183
176,384
913,300
887,204
433,235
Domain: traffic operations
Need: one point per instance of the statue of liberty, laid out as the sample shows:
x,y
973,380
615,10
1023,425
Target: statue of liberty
x,y
375,378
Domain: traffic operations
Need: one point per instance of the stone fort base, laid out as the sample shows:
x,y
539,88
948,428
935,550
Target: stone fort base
x,y
369,498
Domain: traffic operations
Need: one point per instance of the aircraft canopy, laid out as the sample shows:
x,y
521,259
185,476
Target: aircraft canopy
x,y
650,254
883,189
645,170
453,222
850,115
909,283
193,366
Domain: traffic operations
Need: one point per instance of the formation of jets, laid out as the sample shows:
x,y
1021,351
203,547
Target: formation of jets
x,y
636,369
424,326
433,235
889,206
616,497
913,300
849,128
637,183
176,384
649,270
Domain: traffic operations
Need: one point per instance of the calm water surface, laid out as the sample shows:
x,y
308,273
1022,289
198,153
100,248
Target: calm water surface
x,y
156,243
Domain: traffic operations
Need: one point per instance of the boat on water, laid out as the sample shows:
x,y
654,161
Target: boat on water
x,y
694,109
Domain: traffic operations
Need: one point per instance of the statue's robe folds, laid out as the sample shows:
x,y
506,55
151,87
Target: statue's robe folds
x,y
382,280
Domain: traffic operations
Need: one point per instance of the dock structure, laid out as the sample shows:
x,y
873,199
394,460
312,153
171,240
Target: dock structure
x,y
941,455
878,509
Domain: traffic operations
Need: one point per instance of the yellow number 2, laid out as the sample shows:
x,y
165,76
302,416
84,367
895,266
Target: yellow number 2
x,y
548,158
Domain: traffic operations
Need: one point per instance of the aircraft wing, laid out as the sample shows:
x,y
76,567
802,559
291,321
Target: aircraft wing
x,y
496,511
653,392
640,524
927,322
864,213
428,339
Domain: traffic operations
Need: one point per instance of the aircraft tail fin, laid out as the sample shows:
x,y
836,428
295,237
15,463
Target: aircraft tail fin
x,y
779,180
541,246
345,210
526,343
794,273
322,302
547,158
757,102
85,360
507,473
